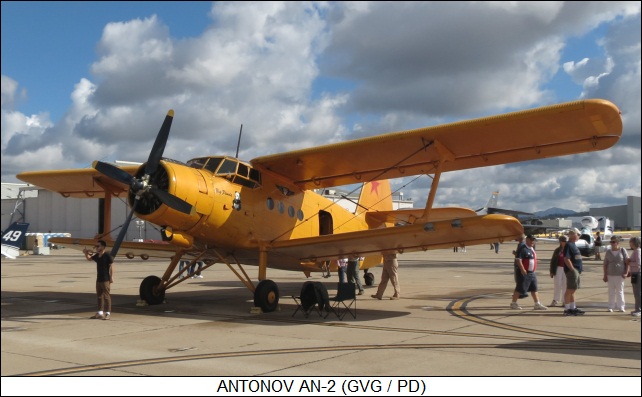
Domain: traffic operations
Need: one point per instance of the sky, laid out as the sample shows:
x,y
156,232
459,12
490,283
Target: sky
x,y
85,81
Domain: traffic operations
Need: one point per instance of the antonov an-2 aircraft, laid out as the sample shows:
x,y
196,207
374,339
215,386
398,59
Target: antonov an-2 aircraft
x,y
264,212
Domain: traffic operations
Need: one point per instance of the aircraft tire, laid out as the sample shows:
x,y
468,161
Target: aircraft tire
x,y
369,278
266,296
147,292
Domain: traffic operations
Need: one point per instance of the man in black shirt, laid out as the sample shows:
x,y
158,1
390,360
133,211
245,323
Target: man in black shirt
x,y
104,278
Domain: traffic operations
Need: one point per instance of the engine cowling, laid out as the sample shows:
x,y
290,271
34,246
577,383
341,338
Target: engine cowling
x,y
182,181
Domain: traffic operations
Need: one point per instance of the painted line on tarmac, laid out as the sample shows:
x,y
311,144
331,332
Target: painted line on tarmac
x,y
459,308
330,349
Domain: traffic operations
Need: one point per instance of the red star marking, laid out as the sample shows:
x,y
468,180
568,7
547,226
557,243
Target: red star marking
x,y
374,187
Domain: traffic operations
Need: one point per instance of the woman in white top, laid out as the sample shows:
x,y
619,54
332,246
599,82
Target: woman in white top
x,y
615,272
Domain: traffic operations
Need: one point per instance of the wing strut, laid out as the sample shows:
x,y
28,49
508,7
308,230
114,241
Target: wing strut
x,y
444,155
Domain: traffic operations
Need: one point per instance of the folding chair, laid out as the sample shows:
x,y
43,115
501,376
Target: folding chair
x,y
307,302
345,301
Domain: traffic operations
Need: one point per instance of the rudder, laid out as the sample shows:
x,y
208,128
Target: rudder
x,y
375,196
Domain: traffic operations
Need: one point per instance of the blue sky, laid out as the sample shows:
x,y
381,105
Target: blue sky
x,y
92,80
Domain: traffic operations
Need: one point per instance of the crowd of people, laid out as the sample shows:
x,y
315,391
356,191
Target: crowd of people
x,y
566,267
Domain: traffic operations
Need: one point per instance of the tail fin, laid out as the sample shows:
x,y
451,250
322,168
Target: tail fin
x,y
492,203
12,239
375,196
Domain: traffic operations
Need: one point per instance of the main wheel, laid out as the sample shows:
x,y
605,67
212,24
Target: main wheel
x,y
266,296
149,292
368,278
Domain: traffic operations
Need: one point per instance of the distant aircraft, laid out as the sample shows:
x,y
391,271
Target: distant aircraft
x,y
491,208
265,212
12,239
586,242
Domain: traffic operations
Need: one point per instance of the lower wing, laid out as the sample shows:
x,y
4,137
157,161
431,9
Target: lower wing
x,y
417,237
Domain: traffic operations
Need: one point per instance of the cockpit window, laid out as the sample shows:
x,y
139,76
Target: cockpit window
x,y
255,175
228,167
243,170
197,163
213,164
232,169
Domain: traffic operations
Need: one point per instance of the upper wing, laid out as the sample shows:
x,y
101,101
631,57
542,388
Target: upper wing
x,y
80,183
421,236
557,130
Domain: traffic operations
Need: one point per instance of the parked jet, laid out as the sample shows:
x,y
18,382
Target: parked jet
x,y
219,209
586,242
12,239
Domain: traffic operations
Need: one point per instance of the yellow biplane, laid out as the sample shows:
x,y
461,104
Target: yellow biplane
x,y
266,212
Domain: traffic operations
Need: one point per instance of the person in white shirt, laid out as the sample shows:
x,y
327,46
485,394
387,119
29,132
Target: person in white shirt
x,y
615,272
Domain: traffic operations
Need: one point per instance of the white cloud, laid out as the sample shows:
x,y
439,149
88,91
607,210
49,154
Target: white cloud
x,y
392,67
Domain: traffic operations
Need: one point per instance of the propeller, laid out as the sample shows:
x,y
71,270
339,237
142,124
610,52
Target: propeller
x,y
146,183
123,230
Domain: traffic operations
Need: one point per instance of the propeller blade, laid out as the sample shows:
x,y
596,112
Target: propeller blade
x,y
172,201
113,172
159,145
123,230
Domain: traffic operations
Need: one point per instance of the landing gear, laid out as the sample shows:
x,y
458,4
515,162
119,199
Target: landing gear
x,y
266,296
368,278
150,292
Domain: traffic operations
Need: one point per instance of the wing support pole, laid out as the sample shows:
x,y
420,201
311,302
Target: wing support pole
x,y
106,210
444,155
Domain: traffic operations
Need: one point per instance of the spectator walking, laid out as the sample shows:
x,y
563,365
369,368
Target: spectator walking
x,y
390,267
527,278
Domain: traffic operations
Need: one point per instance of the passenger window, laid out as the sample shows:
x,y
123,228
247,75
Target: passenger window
x,y
270,203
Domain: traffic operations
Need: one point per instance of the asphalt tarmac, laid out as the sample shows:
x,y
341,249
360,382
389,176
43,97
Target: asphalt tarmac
x,y
453,320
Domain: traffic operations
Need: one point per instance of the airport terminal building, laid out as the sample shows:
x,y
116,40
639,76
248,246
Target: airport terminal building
x,y
626,217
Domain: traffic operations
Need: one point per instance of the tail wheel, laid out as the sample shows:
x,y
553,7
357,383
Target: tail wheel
x,y
266,296
150,292
369,278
